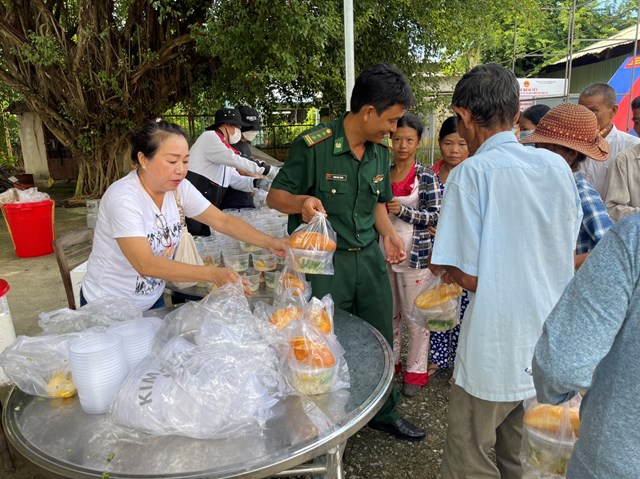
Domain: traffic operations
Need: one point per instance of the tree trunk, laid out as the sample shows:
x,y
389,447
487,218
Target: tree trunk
x,y
110,161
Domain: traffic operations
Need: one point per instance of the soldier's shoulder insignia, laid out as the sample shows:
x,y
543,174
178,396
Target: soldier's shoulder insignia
x,y
316,136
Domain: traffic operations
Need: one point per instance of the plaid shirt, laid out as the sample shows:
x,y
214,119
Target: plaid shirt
x,y
595,219
429,201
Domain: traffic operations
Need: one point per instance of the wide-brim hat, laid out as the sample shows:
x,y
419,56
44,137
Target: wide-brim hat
x,y
227,115
574,127
251,118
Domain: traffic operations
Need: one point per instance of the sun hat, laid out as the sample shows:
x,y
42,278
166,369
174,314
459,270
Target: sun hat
x,y
250,116
227,115
574,127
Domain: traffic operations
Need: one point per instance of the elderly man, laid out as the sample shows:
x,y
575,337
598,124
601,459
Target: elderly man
x,y
623,176
600,98
507,230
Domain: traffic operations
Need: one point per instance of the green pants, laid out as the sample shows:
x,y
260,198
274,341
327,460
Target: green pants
x,y
360,286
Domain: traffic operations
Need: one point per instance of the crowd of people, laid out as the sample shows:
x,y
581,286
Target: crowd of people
x,y
518,203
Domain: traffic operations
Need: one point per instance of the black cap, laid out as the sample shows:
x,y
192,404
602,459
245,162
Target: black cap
x,y
251,118
227,115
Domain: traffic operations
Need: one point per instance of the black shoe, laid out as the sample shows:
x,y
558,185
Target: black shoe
x,y
400,428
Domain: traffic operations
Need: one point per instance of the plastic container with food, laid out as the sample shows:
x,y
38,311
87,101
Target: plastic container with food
x,y
264,261
438,307
248,247
270,279
312,366
547,454
236,261
311,380
252,278
311,262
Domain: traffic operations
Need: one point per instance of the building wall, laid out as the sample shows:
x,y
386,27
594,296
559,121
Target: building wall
x,y
584,75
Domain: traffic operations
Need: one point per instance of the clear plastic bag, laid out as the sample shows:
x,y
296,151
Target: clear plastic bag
x,y
100,313
315,361
220,362
319,313
312,246
550,433
40,365
437,306
289,279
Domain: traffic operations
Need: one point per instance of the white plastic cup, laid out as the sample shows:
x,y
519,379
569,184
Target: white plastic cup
x,y
137,336
98,367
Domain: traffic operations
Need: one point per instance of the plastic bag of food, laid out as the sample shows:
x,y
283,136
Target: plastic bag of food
x,y
40,365
312,245
550,433
319,313
437,306
289,279
315,361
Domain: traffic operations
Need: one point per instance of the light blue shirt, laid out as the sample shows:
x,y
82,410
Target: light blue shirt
x,y
592,340
510,216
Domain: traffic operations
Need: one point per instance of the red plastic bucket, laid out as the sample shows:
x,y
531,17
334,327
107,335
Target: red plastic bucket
x,y
31,227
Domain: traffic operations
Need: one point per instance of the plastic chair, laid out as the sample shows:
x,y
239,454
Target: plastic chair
x,y
72,249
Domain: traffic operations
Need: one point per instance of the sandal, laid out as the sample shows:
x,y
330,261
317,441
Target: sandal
x,y
432,369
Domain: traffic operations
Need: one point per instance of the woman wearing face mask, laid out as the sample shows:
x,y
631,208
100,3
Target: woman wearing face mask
x,y
235,198
214,163
530,118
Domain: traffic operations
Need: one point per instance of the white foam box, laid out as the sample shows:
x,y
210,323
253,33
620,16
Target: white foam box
x,y
77,274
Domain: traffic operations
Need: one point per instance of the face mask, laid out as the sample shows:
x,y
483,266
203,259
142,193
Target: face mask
x,y
524,134
235,138
250,135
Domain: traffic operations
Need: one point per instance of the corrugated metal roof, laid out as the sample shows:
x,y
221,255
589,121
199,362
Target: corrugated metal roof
x,y
628,35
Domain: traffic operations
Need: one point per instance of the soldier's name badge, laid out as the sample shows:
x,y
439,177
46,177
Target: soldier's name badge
x,y
335,177
378,178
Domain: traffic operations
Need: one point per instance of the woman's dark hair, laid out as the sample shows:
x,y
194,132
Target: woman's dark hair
x,y
449,126
535,113
411,120
382,86
147,138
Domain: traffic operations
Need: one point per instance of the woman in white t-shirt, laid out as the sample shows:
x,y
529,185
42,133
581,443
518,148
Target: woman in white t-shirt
x,y
138,227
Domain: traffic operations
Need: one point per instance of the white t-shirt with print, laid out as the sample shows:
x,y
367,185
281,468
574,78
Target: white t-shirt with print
x,y
127,211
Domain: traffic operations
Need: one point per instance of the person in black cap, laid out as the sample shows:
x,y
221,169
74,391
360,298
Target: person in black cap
x,y
234,198
213,163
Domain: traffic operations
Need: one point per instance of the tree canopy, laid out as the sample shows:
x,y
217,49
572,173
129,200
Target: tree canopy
x,y
93,69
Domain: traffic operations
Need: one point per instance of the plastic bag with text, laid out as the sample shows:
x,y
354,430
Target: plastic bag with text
x,y
312,245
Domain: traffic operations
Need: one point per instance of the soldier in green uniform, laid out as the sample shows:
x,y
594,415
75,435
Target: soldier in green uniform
x,y
341,169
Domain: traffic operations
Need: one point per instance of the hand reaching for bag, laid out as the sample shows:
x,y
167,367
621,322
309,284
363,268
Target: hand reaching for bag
x,y
222,276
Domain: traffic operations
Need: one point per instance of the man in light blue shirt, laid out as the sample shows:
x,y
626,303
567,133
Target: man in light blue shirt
x,y
507,231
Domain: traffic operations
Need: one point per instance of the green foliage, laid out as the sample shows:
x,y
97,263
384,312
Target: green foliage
x,y
42,50
541,29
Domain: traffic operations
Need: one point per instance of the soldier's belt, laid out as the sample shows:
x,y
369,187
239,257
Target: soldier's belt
x,y
357,248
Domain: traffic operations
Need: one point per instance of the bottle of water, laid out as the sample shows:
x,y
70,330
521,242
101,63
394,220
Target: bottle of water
x,y
7,331
92,213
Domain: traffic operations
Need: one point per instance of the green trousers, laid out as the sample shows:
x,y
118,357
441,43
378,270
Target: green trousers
x,y
360,286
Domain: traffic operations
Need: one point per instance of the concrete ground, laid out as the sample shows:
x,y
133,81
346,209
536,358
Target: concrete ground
x,y
36,287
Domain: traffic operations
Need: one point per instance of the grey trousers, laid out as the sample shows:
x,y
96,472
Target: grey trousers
x,y
474,427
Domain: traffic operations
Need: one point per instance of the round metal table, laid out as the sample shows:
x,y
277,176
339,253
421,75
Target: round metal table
x,y
58,437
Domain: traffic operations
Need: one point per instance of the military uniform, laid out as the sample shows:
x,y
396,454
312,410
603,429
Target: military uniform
x,y
321,164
